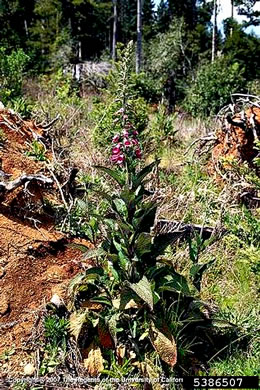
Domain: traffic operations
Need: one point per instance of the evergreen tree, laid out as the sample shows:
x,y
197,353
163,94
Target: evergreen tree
x,y
148,17
246,8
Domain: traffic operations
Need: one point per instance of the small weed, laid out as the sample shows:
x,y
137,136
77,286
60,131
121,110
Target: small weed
x,y
2,137
37,151
5,356
55,332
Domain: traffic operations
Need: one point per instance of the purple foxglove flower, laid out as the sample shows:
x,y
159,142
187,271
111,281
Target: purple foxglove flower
x,y
138,153
116,138
127,143
114,158
120,159
116,150
134,141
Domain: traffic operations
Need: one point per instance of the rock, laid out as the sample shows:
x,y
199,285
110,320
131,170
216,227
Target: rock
x,y
56,300
29,369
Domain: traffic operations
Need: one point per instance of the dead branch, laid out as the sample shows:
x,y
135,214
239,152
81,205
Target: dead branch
x,y
49,125
12,185
60,189
164,226
204,140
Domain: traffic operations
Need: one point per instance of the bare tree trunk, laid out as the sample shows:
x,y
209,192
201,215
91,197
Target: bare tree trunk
x,y
139,37
26,27
214,32
114,30
232,16
79,45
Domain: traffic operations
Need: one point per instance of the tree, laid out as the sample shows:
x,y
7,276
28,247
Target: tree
x,y
139,36
148,19
214,31
242,48
246,8
114,29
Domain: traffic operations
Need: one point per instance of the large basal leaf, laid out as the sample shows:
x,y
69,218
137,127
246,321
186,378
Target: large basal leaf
x,y
164,346
143,290
94,363
197,271
120,207
116,175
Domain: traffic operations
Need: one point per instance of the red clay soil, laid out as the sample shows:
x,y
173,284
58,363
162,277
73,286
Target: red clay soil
x,y
236,137
35,261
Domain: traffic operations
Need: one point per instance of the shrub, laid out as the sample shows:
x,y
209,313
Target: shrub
x,y
12,69
213,86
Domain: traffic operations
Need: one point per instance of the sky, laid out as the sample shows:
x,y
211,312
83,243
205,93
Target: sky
x,y
225,11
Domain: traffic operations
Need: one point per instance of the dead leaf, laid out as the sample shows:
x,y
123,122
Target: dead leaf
x,y
120,351
92,305
104,335
94,363
165,346
77,320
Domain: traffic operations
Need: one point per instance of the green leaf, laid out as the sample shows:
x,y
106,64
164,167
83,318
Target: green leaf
x,y
161,242
82,248
144,217
143,173
112,326
143,290
126,296
143,244
102,299
197,271
84,278
94,253
105,196
117,176
120,207
174,282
